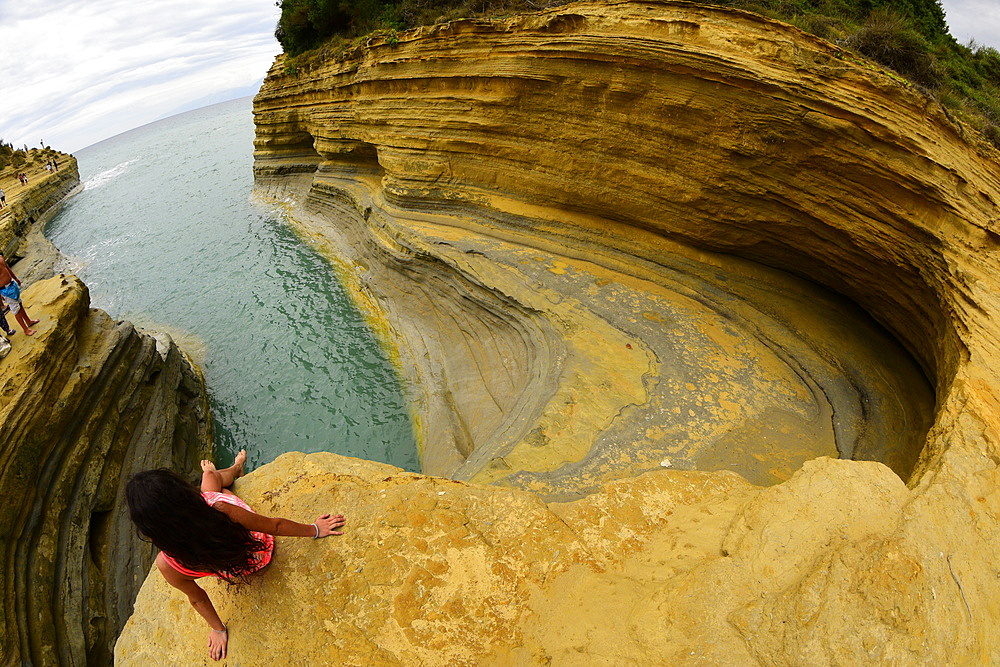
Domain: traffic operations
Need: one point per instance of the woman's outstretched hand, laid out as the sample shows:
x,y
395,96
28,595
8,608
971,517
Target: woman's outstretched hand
x,y
328,524
217,644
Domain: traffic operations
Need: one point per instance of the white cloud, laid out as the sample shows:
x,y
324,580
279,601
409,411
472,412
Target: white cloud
x,y
74,72
973,19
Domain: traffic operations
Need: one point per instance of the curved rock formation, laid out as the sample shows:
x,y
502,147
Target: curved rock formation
x,y
489,187
512,195
84,403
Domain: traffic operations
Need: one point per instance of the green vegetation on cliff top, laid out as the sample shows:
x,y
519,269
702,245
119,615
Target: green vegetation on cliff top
x,y
908,36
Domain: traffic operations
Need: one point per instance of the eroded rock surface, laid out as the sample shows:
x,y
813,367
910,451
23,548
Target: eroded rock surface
x,y
84,403
459,176
671,567
525,206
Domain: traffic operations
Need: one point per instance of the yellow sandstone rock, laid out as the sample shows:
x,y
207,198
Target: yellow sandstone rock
x,y
508,199
669,567
530,209
33,205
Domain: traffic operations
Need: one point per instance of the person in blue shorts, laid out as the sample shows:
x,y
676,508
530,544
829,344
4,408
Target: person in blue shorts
x,y
10,295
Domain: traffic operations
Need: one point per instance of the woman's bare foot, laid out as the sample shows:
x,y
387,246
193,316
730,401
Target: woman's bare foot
x,y
213,479
241,458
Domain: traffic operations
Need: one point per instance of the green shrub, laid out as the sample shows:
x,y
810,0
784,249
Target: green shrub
x,y
827,27
924,16
992,132
890,39
306,24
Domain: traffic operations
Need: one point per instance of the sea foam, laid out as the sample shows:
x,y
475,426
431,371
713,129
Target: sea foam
x,y
107,175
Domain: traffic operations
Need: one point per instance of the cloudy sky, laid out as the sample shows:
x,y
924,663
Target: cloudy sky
x,y
974,19
73,72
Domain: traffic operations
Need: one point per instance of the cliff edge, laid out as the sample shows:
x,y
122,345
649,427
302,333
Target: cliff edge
x,y
841,564
30,207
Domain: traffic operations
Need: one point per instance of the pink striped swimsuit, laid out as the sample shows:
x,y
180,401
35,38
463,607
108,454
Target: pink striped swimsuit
x,y
262,557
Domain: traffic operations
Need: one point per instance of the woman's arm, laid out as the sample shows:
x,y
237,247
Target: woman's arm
x,y
218,637
325,524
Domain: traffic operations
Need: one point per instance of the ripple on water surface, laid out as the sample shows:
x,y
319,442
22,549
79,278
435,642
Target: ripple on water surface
x,y
165,232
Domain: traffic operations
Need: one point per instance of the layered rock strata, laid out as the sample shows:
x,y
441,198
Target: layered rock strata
x,y
517,201
604,141
84,403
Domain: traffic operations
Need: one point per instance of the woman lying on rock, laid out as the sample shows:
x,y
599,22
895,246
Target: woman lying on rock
x,y
211,533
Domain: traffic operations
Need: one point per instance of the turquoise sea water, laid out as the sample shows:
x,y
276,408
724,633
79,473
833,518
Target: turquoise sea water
x,y
166,236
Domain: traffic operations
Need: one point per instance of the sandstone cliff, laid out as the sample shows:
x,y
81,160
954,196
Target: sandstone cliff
x,y
530,210
525,207
30,207
84,403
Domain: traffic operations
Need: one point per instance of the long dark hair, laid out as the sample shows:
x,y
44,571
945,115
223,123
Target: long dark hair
x,y
173,515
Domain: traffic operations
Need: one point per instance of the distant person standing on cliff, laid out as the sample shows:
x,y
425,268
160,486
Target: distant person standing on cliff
x,y
209,533
3,198
10,294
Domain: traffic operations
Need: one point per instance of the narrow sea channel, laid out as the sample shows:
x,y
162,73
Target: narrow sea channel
x,y
166,236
